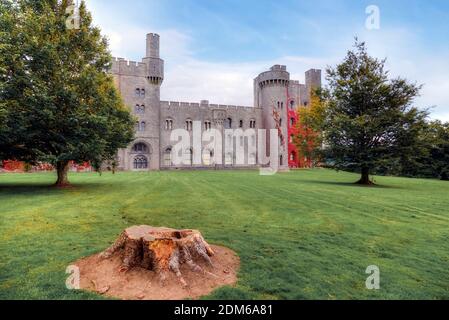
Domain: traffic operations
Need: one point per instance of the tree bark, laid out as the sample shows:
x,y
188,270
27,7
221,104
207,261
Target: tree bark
x,y
62,168
162,250
364,179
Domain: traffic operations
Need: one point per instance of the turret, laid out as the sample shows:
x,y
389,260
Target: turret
x,y
271,94
153,45
155,73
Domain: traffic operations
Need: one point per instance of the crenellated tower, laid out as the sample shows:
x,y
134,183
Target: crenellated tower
x,y
271,94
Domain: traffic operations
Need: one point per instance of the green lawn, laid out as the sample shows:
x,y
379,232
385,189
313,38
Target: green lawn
x,y
300,235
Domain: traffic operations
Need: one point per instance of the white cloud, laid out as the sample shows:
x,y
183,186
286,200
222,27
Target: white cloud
x,y
188,78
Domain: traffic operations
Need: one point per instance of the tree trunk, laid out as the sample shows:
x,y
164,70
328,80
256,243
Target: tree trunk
x,y
161,250
62,168
364,179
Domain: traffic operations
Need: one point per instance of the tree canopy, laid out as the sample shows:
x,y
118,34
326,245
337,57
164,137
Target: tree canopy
x,y
370,119
58,103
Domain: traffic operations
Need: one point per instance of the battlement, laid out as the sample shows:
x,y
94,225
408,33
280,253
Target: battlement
x,y
203,105
127,67
278,67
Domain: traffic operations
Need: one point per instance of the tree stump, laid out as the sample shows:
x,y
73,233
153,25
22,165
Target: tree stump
x,y
161,250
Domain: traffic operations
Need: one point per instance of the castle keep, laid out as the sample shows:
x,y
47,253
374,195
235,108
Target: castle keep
x,y
276,98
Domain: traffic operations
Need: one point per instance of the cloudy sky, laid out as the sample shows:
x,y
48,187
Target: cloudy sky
x,y
213,49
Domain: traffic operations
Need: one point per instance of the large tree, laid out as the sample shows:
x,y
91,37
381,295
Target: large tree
x,y
370,121
57,100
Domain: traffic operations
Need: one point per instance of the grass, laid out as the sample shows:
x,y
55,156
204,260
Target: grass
x,y
300,235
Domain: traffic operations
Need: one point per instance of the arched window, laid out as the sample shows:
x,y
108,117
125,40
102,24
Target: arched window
x,y
169,124
280,122
142,92
292,122
241,124
142,126
292,104
140,148
252,124
281,160
189,125
207,125
167,157
140,162
282,105
228,123
138,92
139,109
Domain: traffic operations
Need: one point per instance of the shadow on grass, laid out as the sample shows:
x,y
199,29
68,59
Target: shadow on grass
x,y
350,184
43,188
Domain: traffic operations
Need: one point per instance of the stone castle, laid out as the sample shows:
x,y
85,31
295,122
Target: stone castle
x,y
276,98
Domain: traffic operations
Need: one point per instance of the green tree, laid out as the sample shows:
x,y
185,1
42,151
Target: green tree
x,y
436,161
59,102
370,121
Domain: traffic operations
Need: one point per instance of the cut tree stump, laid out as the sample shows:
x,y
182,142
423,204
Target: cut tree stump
x,y
161,250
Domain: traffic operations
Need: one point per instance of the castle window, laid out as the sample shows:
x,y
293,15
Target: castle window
x,y
167,157
241,124
137,126
140,148
139,109
279,105
228,123
282,105
138,92
292,104
281,160
207,125
292,156
280,122
140,162
141,127
292,122
252,124
168,124
291,138
189,125
142,92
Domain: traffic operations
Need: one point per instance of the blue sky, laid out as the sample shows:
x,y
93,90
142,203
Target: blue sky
x,y
214,48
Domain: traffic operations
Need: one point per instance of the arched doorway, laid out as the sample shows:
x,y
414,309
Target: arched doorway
x,y
140,163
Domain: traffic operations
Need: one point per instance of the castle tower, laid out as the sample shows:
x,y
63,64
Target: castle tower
x,y
154,77
271,94
313,82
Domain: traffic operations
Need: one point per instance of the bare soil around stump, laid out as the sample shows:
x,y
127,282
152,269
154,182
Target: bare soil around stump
x,y
103,276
